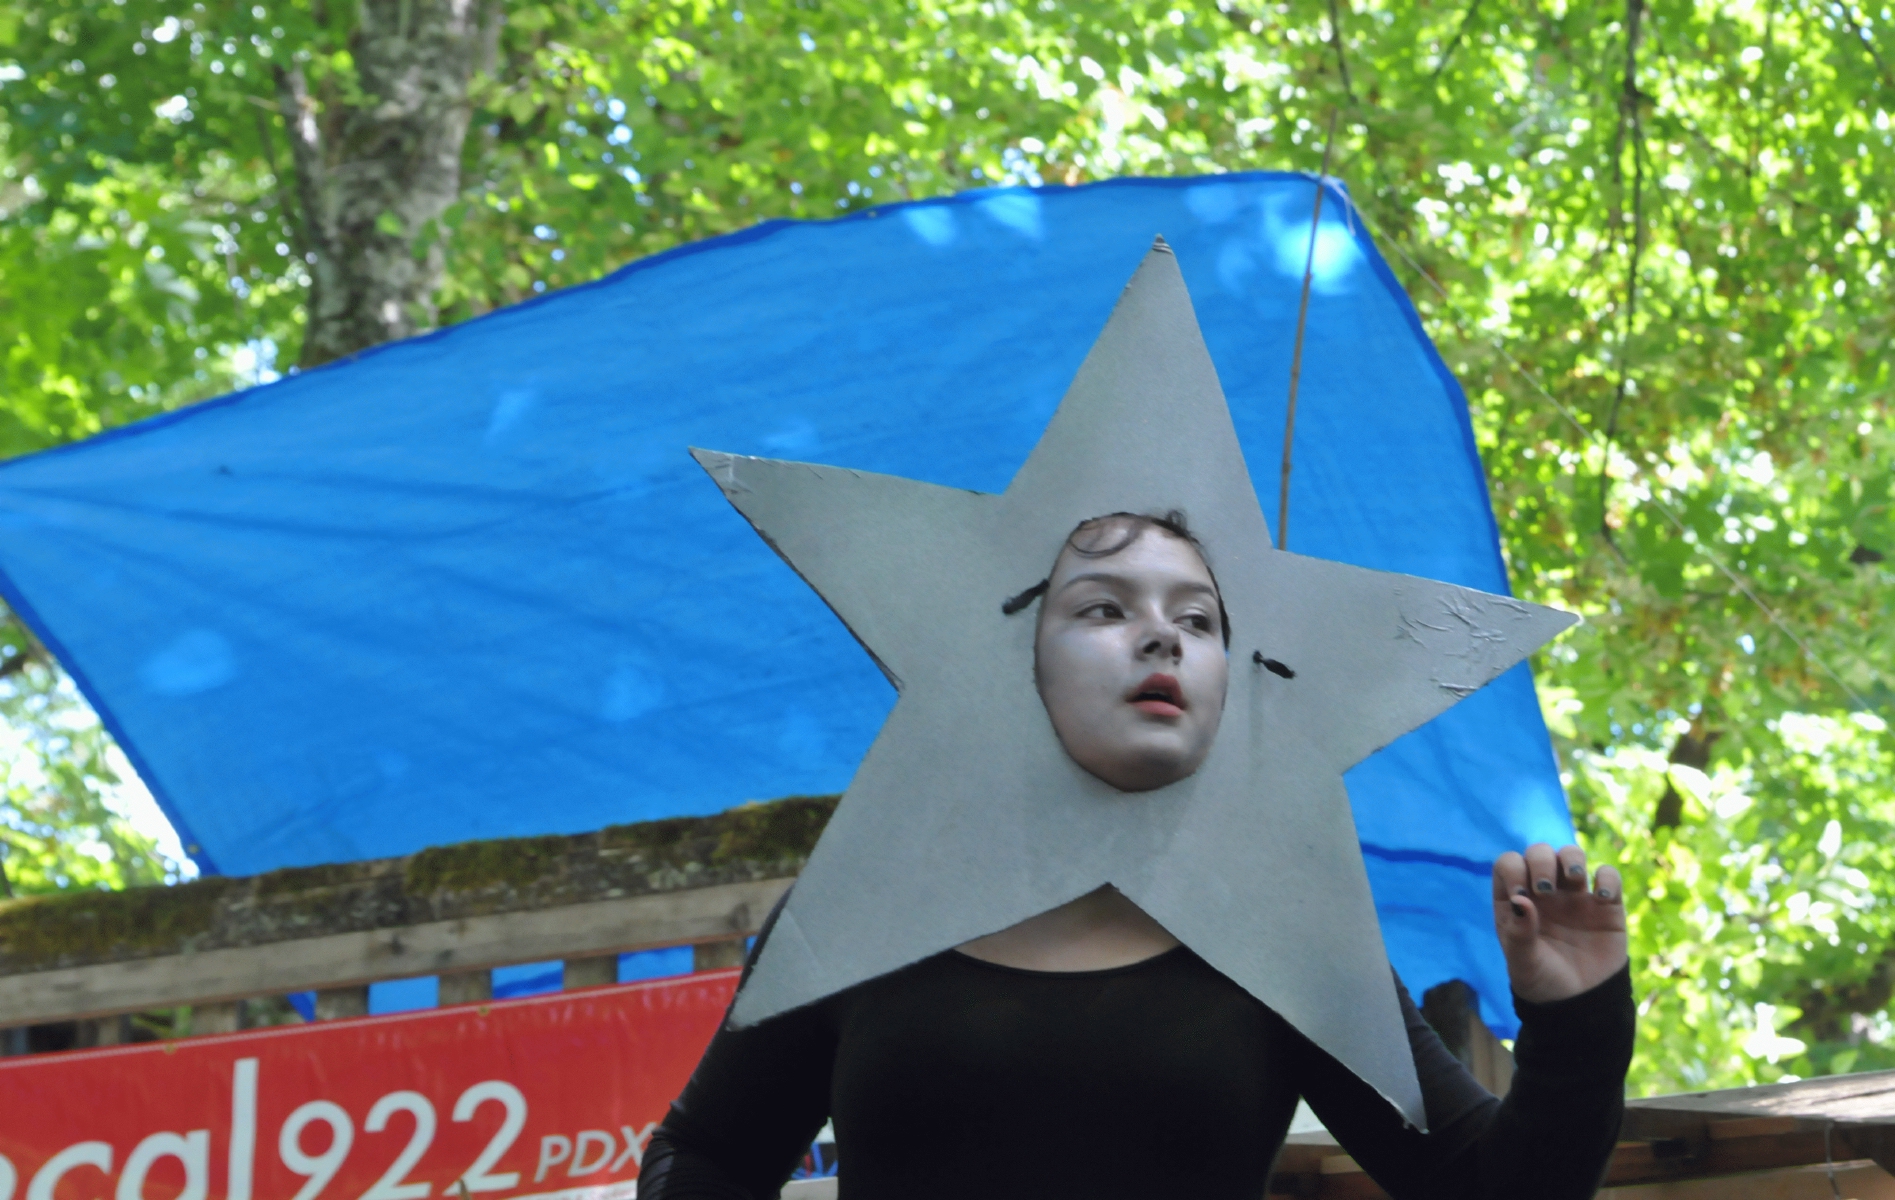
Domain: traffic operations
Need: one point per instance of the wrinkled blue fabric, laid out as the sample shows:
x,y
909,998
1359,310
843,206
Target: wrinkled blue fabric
x,y
471,585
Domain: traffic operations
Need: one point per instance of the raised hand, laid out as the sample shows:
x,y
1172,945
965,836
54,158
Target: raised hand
x,y
1560,937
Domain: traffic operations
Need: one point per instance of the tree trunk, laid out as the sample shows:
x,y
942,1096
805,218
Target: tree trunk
x,y
378,163
1828,1010
1692,749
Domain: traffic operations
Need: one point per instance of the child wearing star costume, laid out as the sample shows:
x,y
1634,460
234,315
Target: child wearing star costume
x,y
1149,1034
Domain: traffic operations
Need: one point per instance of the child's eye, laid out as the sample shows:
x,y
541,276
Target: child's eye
x,y
1198,621
1102,609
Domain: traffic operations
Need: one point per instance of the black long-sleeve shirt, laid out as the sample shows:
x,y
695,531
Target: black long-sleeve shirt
x,y
1159,1079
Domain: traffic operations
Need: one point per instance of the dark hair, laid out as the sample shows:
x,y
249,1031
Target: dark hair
x,y
1102,537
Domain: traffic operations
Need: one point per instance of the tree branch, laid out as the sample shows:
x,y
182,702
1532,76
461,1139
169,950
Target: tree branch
x,y
1335,39
1692,749
1629,118
1240,20
305,137
30,653
284,201
1826,1010
1863,39
1454,43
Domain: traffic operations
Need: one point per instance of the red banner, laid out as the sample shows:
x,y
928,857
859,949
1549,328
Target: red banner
x,y
549,1098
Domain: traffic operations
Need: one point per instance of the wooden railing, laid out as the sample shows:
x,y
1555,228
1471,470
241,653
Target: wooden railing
x,y
1782,1142
455,911
459,911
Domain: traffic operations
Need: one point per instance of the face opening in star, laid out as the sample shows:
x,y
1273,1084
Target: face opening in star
x,y
1131,652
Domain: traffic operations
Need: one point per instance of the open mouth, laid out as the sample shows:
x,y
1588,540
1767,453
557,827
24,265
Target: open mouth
x,y
1160,696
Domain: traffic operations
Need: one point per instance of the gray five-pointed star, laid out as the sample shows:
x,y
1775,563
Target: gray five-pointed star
x,y
967,817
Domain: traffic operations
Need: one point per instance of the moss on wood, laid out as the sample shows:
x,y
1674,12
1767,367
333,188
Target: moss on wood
x,y
508,862
780,831
68,929
293,881
141,921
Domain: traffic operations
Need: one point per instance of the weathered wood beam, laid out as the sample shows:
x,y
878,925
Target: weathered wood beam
x,y
444,910
1865,1099
466,987
340,966
1856,1182
594,971
1453,1009
715,956
1741,1151
1730,1148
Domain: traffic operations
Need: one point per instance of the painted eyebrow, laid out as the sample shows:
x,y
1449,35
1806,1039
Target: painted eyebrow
x,y
1108,577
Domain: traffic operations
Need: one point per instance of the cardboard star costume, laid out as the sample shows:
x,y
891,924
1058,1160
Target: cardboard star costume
x,y
967,816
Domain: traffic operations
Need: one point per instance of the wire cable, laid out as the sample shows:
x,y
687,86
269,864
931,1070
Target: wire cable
x,y
1296,354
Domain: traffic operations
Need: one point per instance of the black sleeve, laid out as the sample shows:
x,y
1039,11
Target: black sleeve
x,y
1552,1137
756,1101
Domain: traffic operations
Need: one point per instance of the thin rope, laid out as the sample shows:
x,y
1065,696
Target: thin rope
x,y
1830,1160
1737,581
1296,354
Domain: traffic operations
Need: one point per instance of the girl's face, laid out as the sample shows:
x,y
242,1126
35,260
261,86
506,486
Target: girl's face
x,y
1130,661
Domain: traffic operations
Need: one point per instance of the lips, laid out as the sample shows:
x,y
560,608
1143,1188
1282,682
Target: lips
x,y
1160,696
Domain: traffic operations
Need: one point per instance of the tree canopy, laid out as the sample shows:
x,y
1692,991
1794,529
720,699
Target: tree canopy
x,y
1651,241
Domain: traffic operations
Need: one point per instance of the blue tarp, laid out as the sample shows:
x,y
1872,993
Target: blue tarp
x,y
471,585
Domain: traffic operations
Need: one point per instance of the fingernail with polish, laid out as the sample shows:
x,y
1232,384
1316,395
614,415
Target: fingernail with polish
x,y
1605,893
1576,872
1542,885
1519,891
1517,910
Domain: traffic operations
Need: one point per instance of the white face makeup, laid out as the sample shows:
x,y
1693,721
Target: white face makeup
x,y
1131,660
